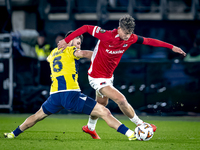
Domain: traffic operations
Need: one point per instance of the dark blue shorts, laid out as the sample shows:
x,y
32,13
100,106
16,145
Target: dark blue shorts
x,y
70,100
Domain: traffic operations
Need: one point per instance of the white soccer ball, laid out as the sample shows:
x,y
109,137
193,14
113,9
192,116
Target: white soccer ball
x,y
144,132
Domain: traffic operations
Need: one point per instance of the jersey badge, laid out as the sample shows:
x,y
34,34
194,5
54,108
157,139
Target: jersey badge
x,y
97,31
102,30
125,45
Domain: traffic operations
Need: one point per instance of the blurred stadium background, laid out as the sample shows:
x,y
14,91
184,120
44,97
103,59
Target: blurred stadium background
x,y
155,81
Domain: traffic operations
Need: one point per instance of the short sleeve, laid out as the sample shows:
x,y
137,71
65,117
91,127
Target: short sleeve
x,y
50,55
72,51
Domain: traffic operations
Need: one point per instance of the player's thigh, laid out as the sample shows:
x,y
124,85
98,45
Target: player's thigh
x,y
112,93
102,100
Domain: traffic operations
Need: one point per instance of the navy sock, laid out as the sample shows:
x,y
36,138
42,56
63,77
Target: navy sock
x,y
17,131
122,129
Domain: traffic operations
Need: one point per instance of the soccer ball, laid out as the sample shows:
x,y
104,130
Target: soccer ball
x,y
144,132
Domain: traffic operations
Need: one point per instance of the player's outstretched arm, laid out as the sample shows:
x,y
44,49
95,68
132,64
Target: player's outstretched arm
x,y
76,33
158,43
83,54
178,50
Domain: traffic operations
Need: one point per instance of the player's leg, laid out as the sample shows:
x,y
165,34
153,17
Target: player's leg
x,y
123,104
104,113
29,122
97,84
50,106
92,121
91,107
33,119
103,100
112,93
118,98
101,85
101,111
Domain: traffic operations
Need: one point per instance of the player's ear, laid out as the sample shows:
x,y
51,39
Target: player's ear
x,y
118,29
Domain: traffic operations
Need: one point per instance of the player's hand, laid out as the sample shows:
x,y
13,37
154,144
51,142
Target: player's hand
x,y
178,50
62,44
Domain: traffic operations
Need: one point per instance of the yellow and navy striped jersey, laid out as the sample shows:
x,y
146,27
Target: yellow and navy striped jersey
x,y
64,70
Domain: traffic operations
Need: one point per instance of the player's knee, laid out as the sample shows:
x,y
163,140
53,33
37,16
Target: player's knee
x,y
39,115
122,102
119,99
106,112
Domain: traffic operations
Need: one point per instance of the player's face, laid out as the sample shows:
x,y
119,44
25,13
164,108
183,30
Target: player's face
x,y
124,35
77,43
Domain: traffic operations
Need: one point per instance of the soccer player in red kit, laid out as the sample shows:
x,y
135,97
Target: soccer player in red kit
x,y
106,56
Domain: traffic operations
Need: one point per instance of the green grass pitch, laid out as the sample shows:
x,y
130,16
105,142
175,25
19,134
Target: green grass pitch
x,y
58,132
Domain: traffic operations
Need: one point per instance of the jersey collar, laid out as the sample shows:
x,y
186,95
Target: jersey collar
x,y
116,36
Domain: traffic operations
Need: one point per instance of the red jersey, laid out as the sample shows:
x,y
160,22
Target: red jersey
x,y
110,48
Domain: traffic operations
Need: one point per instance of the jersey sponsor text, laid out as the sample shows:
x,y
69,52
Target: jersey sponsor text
x,y
114,52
